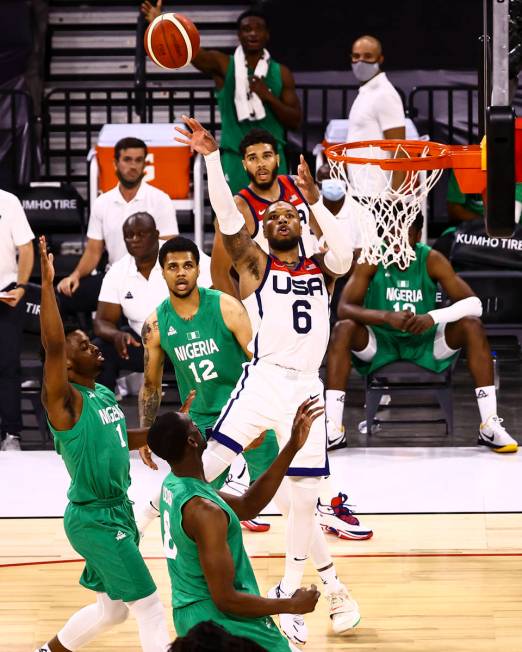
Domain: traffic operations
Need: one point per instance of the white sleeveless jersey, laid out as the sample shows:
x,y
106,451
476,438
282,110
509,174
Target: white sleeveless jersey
x,y
289,313
289,192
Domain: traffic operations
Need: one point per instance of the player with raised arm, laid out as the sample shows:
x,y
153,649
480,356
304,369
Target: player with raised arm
x,y
287,297
389,314
91,435
205,334
211,575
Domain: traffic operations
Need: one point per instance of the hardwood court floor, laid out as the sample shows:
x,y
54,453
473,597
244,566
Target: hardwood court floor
x,y
425,583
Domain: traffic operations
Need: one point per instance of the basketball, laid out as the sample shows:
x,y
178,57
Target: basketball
x,y
172,41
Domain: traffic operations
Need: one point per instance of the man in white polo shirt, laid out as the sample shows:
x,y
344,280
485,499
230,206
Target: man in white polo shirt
x,y
15,242
377,112
110,210
132,288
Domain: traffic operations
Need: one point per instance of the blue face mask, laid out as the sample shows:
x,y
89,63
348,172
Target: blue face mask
x,y
364,70
333,189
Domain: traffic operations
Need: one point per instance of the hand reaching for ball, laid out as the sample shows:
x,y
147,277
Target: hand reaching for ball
x,y
198,138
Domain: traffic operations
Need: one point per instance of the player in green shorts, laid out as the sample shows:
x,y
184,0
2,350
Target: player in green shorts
x,y
389,314
90,434
205,333
210,572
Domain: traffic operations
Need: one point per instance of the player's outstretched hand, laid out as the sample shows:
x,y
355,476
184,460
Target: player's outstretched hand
x,y
188,401
150,11
199,139
306,414
46,262
306,183
304,600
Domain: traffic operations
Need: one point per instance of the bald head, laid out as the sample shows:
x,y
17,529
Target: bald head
x,y
367,48
143,220
141,236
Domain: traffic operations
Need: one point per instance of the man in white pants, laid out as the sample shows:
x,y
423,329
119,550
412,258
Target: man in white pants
x,y
287,299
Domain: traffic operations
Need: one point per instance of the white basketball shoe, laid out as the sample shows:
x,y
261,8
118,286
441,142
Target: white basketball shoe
x,y
293,626
336,435
337,518
344,611
493,435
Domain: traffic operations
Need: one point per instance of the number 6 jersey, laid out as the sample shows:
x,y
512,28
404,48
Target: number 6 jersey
x,y
290,315
204,353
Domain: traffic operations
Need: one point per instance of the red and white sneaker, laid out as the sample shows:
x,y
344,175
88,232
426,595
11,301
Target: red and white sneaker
x,y
337,518
255,525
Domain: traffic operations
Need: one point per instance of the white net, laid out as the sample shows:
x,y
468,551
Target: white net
x,y
383,203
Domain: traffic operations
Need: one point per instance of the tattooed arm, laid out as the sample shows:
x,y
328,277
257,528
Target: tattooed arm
x,y
150,392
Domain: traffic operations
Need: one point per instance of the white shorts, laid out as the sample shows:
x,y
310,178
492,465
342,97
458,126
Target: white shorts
x,y
267,397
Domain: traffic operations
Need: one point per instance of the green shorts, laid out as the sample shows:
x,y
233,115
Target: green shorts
x,y
258,459
262,631
428,350
107,538
235,174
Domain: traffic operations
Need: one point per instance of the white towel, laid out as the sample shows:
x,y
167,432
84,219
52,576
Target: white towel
x,y
248,105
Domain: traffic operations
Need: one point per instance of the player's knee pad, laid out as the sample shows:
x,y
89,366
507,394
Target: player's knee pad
x,y
147,608
216,459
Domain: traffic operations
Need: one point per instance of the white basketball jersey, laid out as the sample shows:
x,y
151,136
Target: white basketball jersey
x,y
290,316
290,193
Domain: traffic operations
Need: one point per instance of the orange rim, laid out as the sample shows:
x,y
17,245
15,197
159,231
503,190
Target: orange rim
x,y
434,155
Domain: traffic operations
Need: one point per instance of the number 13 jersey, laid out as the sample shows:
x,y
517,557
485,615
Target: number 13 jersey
x,y
289,313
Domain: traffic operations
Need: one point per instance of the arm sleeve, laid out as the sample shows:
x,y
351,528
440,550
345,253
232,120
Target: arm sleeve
x,y
469,307
109,292
339,256
229,217
20,230
390,112
165,217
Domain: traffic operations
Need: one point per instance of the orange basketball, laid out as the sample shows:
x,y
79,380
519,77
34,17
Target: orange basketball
x,y
172,41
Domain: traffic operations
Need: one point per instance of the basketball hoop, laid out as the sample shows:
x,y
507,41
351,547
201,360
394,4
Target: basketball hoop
x,y
387,182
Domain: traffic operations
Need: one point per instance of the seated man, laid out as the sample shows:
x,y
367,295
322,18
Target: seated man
x,y
389,315
210,572
132,288
79,290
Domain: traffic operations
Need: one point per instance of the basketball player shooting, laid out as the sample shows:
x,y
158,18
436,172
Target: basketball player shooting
x,y
287,299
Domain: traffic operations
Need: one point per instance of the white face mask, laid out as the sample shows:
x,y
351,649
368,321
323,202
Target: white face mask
x,y
333,189
364,70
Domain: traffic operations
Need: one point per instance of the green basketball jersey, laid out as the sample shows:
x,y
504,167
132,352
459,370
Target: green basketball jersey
x,y
186,575
233,131
205,355
95,450
411,289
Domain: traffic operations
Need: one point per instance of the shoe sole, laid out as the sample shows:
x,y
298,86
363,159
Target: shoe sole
x,y
255,528
335,447
347,536
508,448
348,630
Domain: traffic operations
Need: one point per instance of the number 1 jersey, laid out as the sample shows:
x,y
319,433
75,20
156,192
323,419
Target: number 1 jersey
x,y
289,313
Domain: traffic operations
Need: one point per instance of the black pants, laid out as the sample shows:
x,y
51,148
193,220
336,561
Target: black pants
x,y
11,326
114,365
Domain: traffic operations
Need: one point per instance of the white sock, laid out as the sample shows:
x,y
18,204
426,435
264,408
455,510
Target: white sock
x,y
86,624
330,580
152,623
148,514
300,530
335,405
487,401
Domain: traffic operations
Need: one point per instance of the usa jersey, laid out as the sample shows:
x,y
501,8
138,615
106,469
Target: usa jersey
x,y
290,193
289,313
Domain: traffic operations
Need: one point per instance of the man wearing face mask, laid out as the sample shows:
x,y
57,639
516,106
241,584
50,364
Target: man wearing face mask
x,y
377,112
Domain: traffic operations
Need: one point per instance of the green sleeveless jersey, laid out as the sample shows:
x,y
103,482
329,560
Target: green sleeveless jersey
x,y
233,131
411,289
95,450
186,575
204,353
